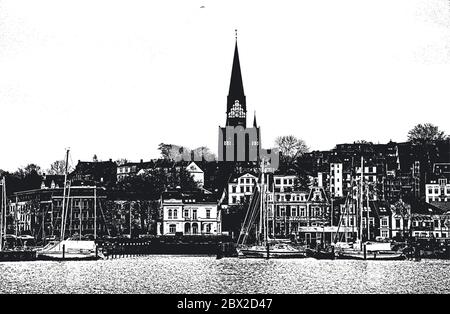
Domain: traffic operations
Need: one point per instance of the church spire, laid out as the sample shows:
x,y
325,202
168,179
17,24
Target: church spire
x,y
236,86
236,106
255,125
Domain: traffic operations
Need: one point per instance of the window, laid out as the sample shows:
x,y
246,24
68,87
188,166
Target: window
x,y
186,213
208,213
172,228
247,180
430,191
194,214
234,200
247,189
233,189
242,189
170,214
294,211
302,211
175,214
384,222
397,223
277,181
384,233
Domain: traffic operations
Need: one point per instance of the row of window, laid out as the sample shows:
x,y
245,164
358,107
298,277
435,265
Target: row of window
x,y
437,191
173,214
298,212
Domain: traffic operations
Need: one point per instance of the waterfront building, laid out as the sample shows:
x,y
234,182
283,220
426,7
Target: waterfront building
x,y
293,211
241,188
38,212
190,213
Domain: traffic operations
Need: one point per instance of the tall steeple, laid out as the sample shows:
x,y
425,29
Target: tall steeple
x,y
236,106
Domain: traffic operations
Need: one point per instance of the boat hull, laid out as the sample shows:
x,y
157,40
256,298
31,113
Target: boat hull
x,y
262,253
317,254
58,256
17,256
379,256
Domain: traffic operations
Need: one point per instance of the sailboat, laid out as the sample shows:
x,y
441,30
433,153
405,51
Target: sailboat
x,y
6,254
365,250
71,249
268,248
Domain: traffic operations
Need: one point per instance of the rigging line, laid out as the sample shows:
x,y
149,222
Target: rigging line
x,y
104,218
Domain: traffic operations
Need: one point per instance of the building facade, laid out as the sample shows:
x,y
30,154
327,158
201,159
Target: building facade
x,y
194,213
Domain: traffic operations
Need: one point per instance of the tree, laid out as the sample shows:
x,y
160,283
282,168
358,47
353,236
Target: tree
x,y
58,167
121,161
203,153
426,133
291,147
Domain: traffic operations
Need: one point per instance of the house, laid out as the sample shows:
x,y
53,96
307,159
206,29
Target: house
x,y
190,213
94,173
241,187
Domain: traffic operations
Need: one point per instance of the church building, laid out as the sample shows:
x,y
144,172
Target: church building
x,y
237,142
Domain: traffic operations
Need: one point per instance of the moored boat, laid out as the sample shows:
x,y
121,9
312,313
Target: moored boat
x,y
280,250
370,251
70,250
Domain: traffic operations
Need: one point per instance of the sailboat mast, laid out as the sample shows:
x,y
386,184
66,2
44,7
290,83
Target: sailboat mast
x,y
1,215
95,213
361,200
261,211
368,209
63,214
5,205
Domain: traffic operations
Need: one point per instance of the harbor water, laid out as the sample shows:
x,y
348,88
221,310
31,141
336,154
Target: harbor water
x,y
206,274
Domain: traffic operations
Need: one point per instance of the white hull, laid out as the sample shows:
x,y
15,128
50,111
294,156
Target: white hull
x,y
273,252
70,250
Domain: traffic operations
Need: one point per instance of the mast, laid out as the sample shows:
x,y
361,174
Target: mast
x,y
273,208
95,214
1,215
361,200
261,211
5,204
368,209
63,214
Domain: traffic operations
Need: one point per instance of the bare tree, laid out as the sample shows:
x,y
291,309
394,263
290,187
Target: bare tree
x,y
58,167
291,146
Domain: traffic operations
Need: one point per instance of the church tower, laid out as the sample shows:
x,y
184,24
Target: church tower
x,y
237,143
236,106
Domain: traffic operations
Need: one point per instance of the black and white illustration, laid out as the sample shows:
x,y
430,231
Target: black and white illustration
x,y
224,147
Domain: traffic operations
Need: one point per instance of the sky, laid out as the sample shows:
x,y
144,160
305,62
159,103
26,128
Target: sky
x,y
115,78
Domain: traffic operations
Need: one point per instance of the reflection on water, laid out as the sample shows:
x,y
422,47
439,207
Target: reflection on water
x,y
201,274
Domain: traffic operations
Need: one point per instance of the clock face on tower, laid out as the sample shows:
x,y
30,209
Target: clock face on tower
x,y
236,111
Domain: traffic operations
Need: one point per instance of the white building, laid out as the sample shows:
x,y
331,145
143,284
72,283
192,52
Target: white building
x,y
190,214
241,188
197,173
336,170
438,190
